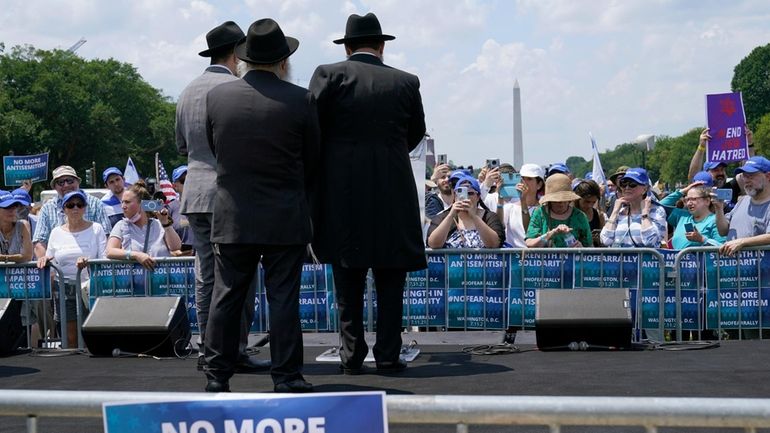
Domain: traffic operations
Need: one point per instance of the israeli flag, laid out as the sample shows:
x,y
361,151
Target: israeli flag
x,y
130,175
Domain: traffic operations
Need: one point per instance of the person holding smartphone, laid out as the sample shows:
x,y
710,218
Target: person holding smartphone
x,y
468,223
695,225
138,236
557,223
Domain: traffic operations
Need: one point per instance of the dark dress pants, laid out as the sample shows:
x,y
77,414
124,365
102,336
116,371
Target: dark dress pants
x,y
236,265
350,285
204,280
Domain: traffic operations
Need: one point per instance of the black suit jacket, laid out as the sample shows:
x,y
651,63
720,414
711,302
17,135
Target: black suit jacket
x,y
264,133
371,117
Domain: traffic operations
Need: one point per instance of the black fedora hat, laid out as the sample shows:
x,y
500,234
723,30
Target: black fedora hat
x,y
363,27
265,43
227,33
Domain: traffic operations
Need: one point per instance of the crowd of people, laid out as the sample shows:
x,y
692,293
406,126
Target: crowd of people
x,y
553,208
262,185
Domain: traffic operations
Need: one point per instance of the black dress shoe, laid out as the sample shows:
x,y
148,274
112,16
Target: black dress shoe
x,y
391,367
352,371
293,386
215,385
251,365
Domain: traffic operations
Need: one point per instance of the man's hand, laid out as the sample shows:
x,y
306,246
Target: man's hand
x,y
439,172
704,137
731,248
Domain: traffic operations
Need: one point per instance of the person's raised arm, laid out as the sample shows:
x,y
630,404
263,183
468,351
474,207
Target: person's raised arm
x,y
696,164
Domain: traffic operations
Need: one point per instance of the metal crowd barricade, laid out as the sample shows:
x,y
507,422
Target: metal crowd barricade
x,y
509,278
27,283
649,413
730,290
127,278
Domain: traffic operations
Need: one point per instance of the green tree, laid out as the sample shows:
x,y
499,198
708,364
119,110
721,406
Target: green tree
x,y
82,111
762,136
752,78
670,160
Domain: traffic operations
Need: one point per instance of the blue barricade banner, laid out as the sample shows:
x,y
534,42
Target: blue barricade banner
x,y
25,282
530,272
314,413
425,294
313,302
476,290
738,290
17,169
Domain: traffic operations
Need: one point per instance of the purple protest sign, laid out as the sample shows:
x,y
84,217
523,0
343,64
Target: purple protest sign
x,y
726,122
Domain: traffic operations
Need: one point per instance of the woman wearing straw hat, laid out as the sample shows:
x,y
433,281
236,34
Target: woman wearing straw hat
x,y
556,223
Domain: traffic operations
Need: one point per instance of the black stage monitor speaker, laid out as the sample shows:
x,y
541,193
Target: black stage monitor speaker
x,y
152,326
583,319
10,325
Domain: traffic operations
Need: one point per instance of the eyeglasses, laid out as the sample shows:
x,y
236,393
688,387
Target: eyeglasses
x,y
65,181
471,193
79,205
686,199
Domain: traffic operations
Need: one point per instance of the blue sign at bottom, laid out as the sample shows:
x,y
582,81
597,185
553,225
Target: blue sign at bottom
x,y
312,413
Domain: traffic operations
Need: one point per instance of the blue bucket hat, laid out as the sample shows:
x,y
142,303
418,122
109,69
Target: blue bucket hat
x,y
713,164
111,170
178,172
77,193
7,200
558,167
755,164
638,175
705,177
470,181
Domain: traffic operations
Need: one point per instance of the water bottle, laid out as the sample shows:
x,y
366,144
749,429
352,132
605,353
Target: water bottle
x,y
569,239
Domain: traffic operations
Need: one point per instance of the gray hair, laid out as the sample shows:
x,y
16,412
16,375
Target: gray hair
x,y
245,67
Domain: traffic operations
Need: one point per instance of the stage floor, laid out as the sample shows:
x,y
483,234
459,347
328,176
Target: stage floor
x,y
735,369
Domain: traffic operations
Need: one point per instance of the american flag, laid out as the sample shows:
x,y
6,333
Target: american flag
x,y
164,183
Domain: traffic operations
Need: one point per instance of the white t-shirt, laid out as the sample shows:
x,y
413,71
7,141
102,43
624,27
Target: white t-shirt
x,y
132,237
515,231
66,247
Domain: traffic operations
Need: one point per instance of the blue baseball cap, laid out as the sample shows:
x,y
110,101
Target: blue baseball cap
x,y
77,193
558,167
469,181
713,164
755,164
705,177
178,172
111,170
638,175
7,200
23,195
589,175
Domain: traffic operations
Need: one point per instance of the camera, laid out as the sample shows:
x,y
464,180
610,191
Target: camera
x,y
442,158
493,163
462,193
152,205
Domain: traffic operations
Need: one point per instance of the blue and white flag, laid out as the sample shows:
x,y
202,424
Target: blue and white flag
x,y
130,175
598,172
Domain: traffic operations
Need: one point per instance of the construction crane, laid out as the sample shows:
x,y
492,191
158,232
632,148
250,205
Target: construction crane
x,y
77,45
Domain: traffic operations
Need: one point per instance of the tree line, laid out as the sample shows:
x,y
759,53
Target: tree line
x,y
670,159
102,111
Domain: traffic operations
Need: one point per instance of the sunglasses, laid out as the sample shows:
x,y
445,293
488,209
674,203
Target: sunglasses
x,y
628,184
67,181
79,205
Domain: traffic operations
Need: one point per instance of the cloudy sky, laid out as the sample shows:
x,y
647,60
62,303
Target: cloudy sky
x,y
616,68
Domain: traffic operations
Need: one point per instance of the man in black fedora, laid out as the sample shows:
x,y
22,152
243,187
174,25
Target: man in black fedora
x,y
198,200
367,213
264,133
